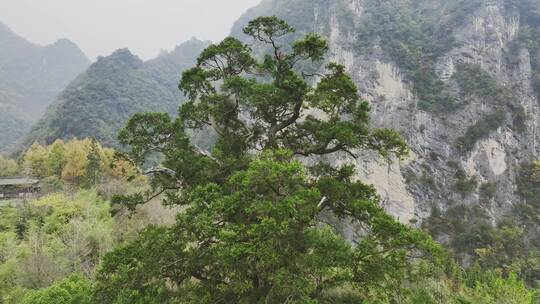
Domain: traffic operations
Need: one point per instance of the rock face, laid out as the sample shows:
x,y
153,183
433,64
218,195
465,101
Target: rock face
x,y
30,78
461,93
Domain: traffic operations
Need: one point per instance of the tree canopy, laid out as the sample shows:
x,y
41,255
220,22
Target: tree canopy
x,y
251,230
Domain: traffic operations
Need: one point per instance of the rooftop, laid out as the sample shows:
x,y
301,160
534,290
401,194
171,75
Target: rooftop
x,y
17,181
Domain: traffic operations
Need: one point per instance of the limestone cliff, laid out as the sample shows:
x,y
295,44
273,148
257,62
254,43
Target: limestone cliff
x,y
456,78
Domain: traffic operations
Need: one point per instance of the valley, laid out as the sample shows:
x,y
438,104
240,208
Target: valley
x,y
386,151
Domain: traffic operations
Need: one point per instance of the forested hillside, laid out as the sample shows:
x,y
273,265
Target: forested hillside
x,y
72,225
30,78
363,151
99,102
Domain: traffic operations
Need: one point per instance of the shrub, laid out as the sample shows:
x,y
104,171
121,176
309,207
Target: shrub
x,y
429,182
463,184
409,37
474,81
480,130
487,191
73,290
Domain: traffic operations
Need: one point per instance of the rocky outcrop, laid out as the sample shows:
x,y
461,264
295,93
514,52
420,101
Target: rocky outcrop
x,y
485,36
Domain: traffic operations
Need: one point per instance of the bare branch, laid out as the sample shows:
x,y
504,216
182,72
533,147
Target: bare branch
x,y
321,203
159,170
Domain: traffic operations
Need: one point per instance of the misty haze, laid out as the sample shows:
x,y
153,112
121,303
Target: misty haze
x,y
270,151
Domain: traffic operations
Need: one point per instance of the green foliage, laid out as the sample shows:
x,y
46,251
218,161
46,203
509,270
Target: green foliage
x,y
35,161
93,164
528,267
496,289
73,290
250,113
428,181
76,163
100,101
259,233
528,213
57,159
474,81
414,35
463,184
469,228
486,287
487,191
480,130
251,230
507,247
528,183
13,129
294,11
504,248
47,239
8,167
529,35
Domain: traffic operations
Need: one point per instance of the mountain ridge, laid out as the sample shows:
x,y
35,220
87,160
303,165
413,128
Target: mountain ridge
x,y
31,76
98,103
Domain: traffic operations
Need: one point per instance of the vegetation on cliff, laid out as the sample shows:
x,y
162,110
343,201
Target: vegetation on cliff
x,y
259,212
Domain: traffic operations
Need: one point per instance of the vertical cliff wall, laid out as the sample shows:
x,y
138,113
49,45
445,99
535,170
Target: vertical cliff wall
x,y
455,78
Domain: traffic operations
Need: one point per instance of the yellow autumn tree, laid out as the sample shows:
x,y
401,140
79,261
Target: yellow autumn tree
x,y
57,158
35,161
76,152
71,161
120,176
8,167
118,167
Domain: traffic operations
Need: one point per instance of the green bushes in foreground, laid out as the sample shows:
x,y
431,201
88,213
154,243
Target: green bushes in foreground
x,y
45,240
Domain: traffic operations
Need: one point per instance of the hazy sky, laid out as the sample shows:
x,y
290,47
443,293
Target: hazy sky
x,y
101,26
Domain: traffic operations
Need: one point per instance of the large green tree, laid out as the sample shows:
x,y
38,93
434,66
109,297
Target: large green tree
x,y
252,229
72,290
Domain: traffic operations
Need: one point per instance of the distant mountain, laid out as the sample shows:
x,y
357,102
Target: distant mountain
x,y
14,122
99,102
30,78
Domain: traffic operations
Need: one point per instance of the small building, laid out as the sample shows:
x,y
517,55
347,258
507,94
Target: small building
x,y
18,187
